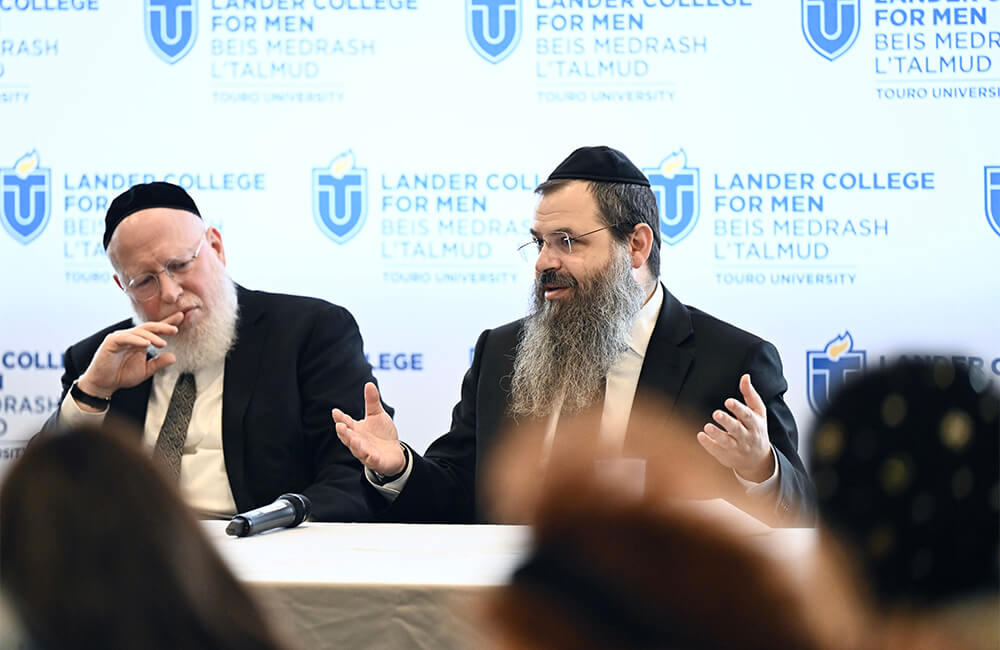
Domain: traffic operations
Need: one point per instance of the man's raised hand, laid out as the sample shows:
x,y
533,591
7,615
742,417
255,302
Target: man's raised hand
x,y
739,439
120,361
374,440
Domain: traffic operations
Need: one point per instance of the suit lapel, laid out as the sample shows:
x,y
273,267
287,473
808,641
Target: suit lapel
x,y
242,369
668,356
668,359
496,371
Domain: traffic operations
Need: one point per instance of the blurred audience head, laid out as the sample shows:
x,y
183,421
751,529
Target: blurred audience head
x,y
619,562
905,460
97,550
659,458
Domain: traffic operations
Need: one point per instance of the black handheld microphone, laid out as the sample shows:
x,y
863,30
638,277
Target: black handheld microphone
x,y
287,511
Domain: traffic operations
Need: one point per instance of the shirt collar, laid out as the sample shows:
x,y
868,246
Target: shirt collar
x,y
642,329
203,377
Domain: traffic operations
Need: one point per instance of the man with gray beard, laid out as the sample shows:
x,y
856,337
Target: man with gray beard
x,y
231,388
602,332
567,347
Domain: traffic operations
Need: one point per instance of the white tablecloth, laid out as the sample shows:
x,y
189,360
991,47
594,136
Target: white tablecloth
x,y
391,585
374,585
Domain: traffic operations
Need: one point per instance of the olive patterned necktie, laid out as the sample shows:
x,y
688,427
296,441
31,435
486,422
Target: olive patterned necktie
x,y
170,443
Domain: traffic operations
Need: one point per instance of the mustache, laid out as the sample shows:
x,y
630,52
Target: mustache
x,y
566,347
553,277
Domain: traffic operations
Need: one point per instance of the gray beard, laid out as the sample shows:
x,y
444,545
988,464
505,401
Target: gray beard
x,y
209,341
566,348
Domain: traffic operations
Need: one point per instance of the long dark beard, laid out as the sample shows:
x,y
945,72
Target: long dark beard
x,y
567,347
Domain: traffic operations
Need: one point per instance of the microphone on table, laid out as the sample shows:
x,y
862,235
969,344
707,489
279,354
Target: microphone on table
x,y
288,510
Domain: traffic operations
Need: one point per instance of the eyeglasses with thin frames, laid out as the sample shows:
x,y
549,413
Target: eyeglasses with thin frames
x,y
147,286
559,242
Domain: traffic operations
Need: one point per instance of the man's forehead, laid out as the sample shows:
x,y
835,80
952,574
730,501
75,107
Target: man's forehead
x,y
153,223
152,232
571,208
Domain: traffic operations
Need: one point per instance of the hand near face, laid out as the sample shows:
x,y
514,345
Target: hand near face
x,y
120,361
374,441
738,439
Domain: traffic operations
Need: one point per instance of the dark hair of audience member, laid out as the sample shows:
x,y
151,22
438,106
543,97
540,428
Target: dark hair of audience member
x,y
98,550
906,462
613,566
617,573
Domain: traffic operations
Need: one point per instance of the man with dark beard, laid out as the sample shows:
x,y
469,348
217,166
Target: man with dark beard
x,y
604,332
231,388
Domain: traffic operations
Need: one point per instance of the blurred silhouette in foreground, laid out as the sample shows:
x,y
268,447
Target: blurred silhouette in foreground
x,y
658,459
97,550
626,554
624,557
906,463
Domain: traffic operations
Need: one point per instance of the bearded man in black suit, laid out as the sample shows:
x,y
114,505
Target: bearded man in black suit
x,y
601,329
232,388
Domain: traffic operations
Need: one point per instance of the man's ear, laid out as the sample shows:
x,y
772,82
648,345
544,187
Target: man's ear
x,y
640,244
215,241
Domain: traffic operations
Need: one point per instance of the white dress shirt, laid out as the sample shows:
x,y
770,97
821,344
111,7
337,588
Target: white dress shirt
x,y
204,483
622,381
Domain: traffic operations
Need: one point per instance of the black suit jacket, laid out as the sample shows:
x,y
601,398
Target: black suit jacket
x,y
294,360
694,361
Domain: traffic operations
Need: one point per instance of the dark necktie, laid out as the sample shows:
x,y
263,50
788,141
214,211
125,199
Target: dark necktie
x,y
173,433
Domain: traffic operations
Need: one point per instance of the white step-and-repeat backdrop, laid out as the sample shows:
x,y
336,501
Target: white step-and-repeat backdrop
x,y
828,170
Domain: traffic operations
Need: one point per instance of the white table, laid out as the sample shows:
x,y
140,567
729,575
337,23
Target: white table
x,y
392,585
374,585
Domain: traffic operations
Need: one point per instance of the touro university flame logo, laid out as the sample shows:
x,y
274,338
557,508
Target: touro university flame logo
x,y
340,202
831,26
25,198
992,189
677,191
171,27
493,27
829,368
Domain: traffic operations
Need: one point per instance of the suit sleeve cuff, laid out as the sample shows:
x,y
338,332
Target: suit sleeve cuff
x,y
392,489
768,484
71,415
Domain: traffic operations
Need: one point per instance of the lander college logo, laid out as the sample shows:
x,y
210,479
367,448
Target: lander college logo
x,y
831,26
829,368
677,191
992,189
25,198
340,202
493,27
171,27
